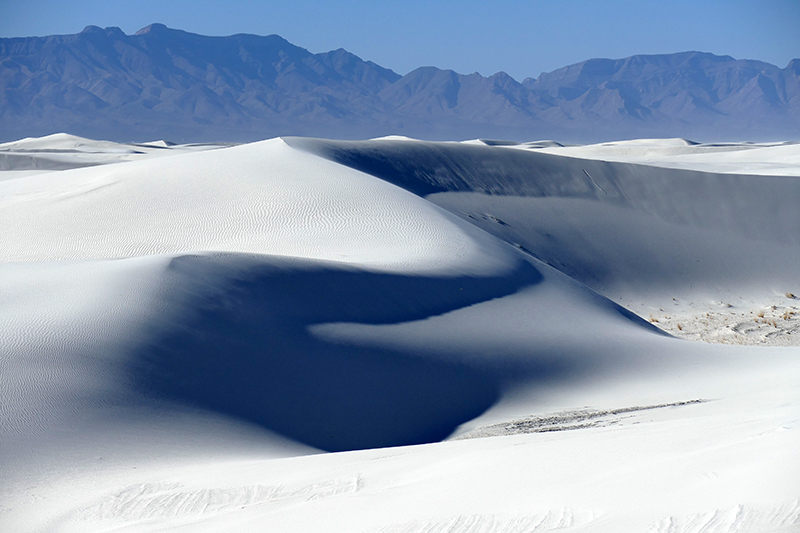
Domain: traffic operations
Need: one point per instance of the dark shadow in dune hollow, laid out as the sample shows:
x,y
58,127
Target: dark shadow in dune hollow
x,y
247,352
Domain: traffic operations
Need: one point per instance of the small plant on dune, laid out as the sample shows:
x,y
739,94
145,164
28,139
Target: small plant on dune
x,y
680,328
760,314
790,295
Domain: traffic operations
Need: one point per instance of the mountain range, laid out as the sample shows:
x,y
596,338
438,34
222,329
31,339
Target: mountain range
x,y
168,83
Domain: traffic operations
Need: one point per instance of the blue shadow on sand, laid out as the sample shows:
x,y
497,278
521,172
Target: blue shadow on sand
x,y
243,349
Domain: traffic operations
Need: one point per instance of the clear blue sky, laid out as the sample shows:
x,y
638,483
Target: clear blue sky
x,y
520,37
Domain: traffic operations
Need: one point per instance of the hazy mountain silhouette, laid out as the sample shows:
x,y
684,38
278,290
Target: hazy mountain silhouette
x,y
166,83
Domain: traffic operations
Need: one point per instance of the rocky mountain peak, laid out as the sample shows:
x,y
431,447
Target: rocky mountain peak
x,y
168,83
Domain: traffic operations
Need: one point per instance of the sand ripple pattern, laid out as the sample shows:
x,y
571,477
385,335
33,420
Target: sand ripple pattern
x,y
64,327
161,501
782,518
552,520
261,198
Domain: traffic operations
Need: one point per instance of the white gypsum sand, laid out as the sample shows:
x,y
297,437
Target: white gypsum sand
x,y
766,159
682,247
259,338
765,316
61,151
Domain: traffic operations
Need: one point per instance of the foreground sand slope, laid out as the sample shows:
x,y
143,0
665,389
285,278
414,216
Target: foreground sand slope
x,y
184,337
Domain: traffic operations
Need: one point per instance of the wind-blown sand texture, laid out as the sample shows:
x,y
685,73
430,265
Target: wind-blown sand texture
x,y
398,336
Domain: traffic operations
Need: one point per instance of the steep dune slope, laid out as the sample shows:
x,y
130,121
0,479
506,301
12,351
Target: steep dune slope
x,y
176,329
670,244
263,198
379,254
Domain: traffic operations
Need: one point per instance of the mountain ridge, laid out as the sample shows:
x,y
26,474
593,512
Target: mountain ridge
x,y
168,83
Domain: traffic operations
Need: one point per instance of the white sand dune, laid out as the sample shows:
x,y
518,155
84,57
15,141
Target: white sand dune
x,y
61,151
283,336
766,159
702,253
260,198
